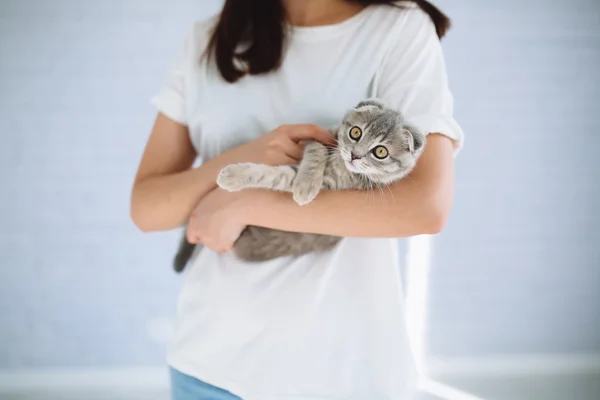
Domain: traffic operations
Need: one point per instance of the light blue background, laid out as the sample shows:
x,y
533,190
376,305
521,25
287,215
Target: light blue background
x,y
517,270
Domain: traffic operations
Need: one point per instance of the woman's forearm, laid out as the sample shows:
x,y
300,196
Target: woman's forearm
x,y
163,198
165,202
419,204
401,213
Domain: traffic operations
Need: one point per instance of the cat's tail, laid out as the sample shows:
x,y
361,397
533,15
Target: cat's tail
x,y
184,253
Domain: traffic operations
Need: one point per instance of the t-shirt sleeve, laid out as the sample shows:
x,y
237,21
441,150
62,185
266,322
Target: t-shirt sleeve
x,y
413,78
170,100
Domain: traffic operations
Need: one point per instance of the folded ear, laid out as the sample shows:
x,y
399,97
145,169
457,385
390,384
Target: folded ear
x,y
372,102
416,140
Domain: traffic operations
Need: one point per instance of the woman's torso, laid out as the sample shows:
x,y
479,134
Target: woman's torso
x,y
328,326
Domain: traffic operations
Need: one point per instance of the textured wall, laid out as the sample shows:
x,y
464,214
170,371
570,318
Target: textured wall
x,y
518,268
78,283
516,271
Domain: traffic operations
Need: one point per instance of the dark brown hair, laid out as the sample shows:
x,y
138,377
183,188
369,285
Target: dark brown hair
x,y
259,25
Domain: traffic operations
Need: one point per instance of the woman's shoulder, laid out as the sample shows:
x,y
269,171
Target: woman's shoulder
x,y
402,19
398,11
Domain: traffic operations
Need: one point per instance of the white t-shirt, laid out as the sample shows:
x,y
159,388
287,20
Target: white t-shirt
x,y
328,326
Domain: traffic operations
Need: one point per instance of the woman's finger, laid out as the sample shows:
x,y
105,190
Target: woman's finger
x,y
192,237
286,160
302,132
293,150
191,231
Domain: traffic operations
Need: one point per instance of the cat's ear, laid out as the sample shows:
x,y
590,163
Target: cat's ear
x,y
416,140
372,102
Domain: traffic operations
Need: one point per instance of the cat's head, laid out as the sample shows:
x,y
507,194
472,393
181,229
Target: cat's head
x,y
376,141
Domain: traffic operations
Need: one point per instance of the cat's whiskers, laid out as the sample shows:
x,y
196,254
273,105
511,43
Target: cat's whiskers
x,y
371,187
371,184
410,178
379,183
391,193
366,179
381,194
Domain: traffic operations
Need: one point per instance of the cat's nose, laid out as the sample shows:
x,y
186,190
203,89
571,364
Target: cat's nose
x,y
353,156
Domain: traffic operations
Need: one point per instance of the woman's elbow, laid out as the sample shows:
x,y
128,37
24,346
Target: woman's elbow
x,y
435,226
140,213
436,215
139,218
149,218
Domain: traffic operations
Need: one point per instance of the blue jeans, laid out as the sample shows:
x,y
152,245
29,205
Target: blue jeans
x,y
185,387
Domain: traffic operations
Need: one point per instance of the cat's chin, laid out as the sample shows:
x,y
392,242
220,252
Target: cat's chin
x,y
352,168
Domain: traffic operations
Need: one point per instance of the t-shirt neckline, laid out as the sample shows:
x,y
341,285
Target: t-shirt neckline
x,y
326,31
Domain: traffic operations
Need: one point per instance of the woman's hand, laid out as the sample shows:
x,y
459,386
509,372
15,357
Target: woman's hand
x,y
282,146
218,220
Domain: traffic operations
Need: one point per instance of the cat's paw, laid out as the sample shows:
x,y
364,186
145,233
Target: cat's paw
x,y
231,178
305,192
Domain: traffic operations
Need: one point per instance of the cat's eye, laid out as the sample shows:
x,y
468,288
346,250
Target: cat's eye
x,y
355,133
380,152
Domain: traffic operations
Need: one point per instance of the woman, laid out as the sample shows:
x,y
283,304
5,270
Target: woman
x,y
322,326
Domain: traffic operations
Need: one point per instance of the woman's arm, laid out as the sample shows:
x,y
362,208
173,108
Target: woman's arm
x,y
413,80
166,188
418,204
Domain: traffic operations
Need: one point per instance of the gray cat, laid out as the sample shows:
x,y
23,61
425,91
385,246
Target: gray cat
x,y
375,148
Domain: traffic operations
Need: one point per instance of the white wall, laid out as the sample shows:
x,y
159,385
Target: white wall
x,y
79,285
518,268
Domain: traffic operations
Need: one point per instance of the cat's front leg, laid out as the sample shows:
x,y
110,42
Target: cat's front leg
x,y
241,176
309,179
